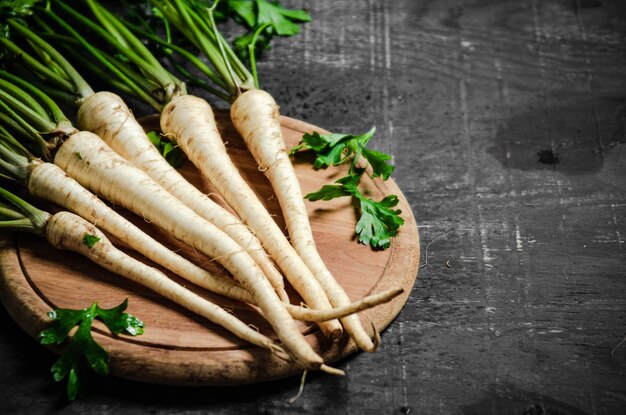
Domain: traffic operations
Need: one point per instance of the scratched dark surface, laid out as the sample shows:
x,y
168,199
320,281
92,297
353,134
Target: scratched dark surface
x,y
507,123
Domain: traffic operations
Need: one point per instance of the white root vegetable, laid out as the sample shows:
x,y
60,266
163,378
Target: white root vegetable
x,y
106,115
47,181
305,314
256,116
104,172
190,121
66,231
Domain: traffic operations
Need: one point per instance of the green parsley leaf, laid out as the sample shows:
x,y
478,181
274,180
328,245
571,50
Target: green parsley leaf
x,y
155,138
90,240
82,347
378,161
378,222
16,8
118,322
334,149
242,42
243,9
66,319
329,192
173,154
255,13
328,148
283,21
270,18
347,186
168,149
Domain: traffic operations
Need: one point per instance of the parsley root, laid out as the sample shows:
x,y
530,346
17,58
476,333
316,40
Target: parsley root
x,y
190,121
106,115
255,115
153,190
106,173
86,158
67,231
49,182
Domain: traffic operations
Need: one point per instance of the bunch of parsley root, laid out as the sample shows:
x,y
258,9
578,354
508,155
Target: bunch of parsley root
x,y
49,48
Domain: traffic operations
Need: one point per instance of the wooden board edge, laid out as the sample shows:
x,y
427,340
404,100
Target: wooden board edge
x,y
18,306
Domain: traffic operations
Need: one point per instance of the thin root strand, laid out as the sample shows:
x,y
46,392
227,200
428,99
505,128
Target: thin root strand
x,y
300,389
377,338
331,370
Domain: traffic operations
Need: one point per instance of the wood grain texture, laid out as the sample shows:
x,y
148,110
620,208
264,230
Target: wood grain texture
x,y
520,307
179,348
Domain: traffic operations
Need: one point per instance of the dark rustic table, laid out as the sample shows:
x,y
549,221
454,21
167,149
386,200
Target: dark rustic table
x,y
506,120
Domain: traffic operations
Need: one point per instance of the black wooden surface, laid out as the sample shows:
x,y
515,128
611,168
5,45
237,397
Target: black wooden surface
x,y
507,123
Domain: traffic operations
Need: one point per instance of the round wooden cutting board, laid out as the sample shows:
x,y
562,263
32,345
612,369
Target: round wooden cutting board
x,y
181,348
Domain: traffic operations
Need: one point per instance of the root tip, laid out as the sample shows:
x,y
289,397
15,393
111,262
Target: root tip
x,y
331,370
376,341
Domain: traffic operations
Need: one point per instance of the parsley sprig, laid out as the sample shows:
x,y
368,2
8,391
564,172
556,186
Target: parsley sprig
x,y
168,149
82,347
379,221
270,17
283,21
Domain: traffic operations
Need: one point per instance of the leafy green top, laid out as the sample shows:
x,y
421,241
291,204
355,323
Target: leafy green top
x,y
283,21
16,8
168,149
264,19
82,346
378,221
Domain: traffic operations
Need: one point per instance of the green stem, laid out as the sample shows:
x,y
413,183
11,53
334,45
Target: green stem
x,y
20,225
142,82
234,78
192,79
3,131
9,213
137,90
60,96
106,36
355,159
57,114
27,128
40,122
135,44
36,66
14,172
251,50
245,78
150,67
8,140
12,124
202,67
25,99
82,87
11,155
108,25
210,29
98,72
38,218
184,22
197,23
